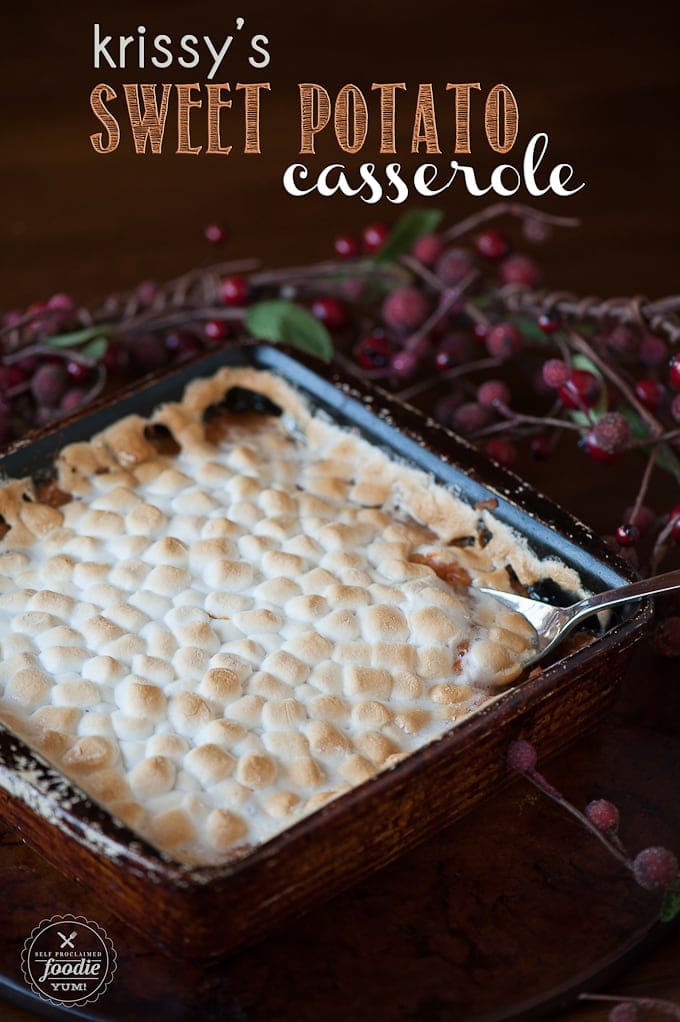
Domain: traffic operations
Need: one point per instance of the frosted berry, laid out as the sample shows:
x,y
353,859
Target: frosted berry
x,y
623,341
493,392
521,270
330,312
675,372
11,377
404,364
650,393
215,331
445,408
624,1012
504,340
374,352
603,814
116,359
234,291
346,246
492,244
428,248
470,417
49,384
501,450
655,868
73,398
653,350
147,292
582,389
374,236
555,373
454,265
216,234
521,757
406,308
61,302
535,230
611,432
645,518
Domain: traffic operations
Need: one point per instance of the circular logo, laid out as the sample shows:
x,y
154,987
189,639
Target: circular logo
x,y
68,960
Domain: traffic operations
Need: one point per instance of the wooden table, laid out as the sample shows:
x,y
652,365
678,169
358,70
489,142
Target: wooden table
x,y
605,88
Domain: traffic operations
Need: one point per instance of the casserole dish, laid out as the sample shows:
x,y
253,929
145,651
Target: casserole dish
x,y
209,909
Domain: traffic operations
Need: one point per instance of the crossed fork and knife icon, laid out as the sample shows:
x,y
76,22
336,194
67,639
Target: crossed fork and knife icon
x,y
67,941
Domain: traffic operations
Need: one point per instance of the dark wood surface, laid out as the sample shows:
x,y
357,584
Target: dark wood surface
x,y
485,916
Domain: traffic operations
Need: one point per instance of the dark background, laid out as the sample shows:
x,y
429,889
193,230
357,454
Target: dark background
x,y
602,81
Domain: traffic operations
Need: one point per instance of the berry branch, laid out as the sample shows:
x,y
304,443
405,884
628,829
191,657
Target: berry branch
x,y
454,317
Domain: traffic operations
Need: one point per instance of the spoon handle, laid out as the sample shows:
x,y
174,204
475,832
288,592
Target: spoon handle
x,y
634,591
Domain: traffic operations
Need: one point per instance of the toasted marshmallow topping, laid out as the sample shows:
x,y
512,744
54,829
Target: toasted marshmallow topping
x,y
216,642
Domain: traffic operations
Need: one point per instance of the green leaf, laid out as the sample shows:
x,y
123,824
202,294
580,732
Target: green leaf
x,y
282,322
95,349
78,337
580,361
408,229
530,329
667,459
670,906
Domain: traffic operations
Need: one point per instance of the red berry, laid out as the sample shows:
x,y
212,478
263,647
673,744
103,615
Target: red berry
x,y
147,292
405,308
611,432
492,244
346,246
234,291
12,376
453,350
116,359
493,392
555,373
521,757
675,407
655,868
644,519
49,384
61,302
627,535
374,352
520,269
650,393
480,330
215,234
504,340
374,236
548,324
675,531
330,312
595,451
675,372
215,331
501,450
603,814
183,345
428,249
582,389
454,265
78,372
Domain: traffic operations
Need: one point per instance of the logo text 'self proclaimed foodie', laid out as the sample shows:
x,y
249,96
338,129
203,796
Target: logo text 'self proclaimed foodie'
x,y
222,118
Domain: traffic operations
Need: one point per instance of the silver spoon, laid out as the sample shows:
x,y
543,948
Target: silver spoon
x,y
552,624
